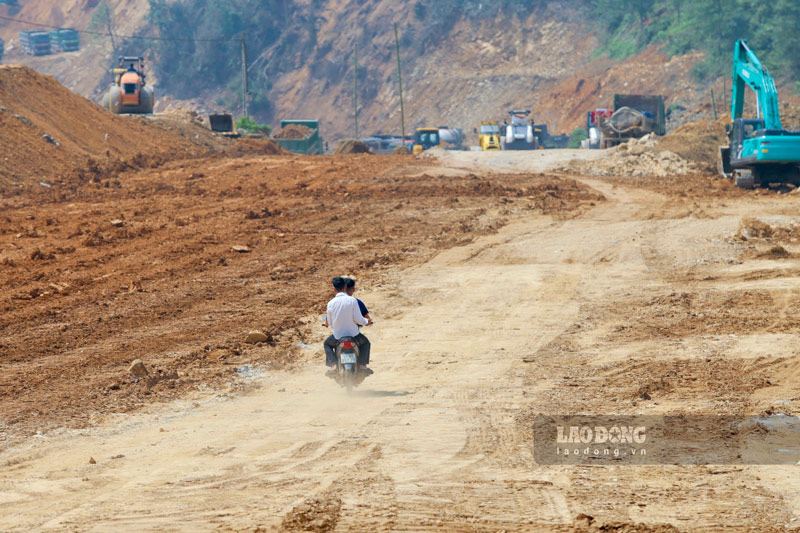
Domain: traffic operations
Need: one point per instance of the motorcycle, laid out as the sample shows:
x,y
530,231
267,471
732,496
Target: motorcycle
x,y
347,371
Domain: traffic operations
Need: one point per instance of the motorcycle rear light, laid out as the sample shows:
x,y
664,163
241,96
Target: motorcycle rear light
x,y
347,345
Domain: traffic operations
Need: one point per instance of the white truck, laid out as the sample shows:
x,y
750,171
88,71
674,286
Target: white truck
x,y
519,134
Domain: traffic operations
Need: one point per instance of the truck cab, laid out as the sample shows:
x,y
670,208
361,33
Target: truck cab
x,y
489,136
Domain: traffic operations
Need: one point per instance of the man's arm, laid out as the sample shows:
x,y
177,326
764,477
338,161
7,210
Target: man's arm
x,y
364,311
357,317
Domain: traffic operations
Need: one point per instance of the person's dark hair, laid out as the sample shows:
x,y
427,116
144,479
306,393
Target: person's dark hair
x,y
349,283
338,283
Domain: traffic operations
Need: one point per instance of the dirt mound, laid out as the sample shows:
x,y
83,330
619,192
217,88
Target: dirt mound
x,y
698,142
294,131
752,228
352,146
45,130
775,252
638,157
586,524
263,146
401,150
315,514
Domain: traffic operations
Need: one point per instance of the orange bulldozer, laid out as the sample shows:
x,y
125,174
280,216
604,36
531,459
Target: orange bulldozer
x,y
128,93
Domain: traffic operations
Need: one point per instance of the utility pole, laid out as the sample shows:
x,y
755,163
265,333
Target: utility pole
x,y
244,77
714,104
355,93
400,81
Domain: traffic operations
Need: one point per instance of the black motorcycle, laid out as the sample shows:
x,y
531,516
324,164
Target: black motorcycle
x,y
347,371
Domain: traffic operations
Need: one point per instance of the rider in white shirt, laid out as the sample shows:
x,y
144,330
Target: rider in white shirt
x,y
344,317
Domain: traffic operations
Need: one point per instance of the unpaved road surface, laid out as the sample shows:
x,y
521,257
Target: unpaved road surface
x,y
647,302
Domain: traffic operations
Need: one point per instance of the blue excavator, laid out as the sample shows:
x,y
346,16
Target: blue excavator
x,y
760,150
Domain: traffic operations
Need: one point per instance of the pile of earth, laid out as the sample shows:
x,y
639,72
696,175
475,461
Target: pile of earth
x,y
352,146
314,514
698,142
255,145
294,131
46,131
401,150
638,157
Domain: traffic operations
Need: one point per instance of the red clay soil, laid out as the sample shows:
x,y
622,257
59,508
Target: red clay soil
x,y
37,106
50,135
140,264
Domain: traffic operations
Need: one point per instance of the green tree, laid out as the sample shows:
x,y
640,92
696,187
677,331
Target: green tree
x,y
103,21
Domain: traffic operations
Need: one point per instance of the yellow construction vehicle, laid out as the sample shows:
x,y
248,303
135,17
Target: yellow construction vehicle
x,y
425,139
129,93
489,135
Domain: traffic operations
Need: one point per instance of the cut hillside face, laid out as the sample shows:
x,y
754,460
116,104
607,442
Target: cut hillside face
x,y
46,131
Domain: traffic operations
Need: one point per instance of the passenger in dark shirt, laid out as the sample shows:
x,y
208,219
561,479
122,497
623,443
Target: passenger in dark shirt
x,y
350,288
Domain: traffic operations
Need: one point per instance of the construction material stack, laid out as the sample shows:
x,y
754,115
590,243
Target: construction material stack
x,y
635,115
35,43
760,151
129,92
65,40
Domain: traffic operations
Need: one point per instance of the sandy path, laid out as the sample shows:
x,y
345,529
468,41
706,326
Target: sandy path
x,y
516,161
434,440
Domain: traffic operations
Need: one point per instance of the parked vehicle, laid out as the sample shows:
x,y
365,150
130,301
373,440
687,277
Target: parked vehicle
x,y
489,135
519,134
759,151
35,43
311,144
635,115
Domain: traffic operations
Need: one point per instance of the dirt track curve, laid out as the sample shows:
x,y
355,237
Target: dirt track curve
x,y
648,294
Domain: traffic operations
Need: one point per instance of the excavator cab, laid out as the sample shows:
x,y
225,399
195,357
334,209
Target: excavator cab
x,y
425,139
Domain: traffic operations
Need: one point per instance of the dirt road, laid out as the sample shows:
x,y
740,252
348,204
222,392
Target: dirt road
x,y
649,302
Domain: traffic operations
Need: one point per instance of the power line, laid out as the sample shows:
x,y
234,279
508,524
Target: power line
x,y
106,34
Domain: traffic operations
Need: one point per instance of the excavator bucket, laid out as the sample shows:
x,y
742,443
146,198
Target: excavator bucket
x,y
222,123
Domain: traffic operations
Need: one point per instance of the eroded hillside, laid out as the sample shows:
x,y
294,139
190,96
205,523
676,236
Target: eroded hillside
x,y
456,72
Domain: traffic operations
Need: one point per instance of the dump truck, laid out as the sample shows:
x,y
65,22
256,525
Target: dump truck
x,y
65,40
634,116
759,151
311,144
593,119
129,93
488,135
519,134
35,43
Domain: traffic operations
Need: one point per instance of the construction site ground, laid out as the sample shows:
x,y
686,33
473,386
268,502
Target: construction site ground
x,y
499,289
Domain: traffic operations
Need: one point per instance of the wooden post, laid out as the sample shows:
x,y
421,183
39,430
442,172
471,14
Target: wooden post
x,y
244,77
400,82
714,104
355,92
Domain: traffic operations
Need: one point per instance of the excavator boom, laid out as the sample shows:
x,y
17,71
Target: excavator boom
x,y
748,71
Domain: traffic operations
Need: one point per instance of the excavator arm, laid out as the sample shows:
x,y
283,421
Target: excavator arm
x,y
747,70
